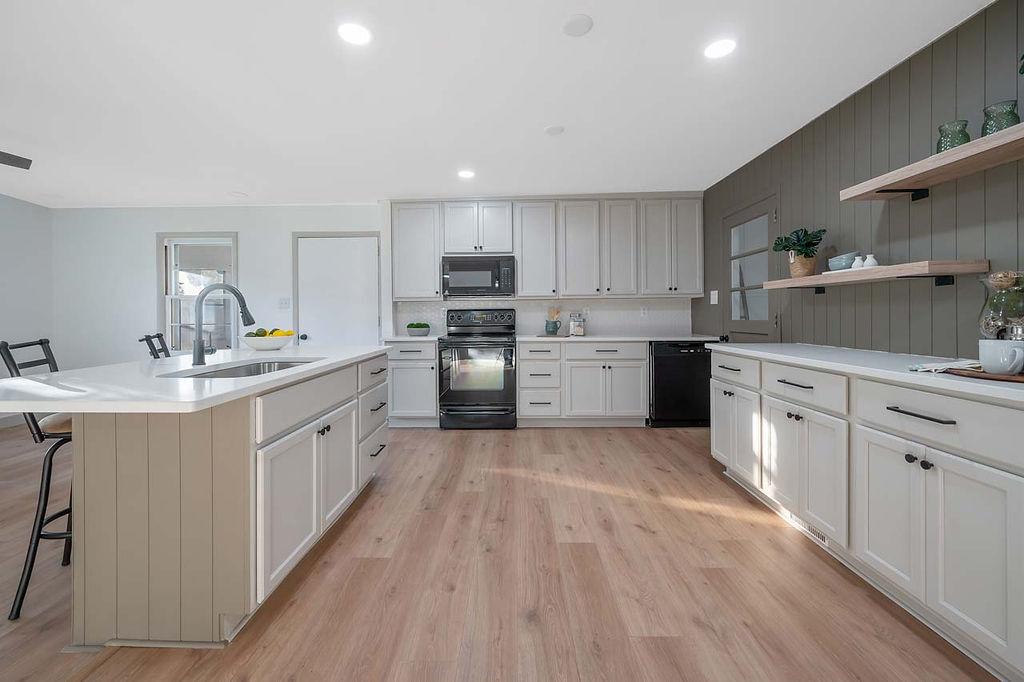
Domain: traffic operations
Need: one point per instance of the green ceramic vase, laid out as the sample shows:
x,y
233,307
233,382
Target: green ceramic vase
x,y
1000,116
952,134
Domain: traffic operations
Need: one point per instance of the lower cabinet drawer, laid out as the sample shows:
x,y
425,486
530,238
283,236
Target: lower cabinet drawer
x,y
280,410
372,452
540,351
416,350
738,370
539,374
808,386
540,403
372,372
373,409
582,350
989,431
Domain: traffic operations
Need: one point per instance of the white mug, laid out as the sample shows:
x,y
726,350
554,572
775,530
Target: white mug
x,y
1001,357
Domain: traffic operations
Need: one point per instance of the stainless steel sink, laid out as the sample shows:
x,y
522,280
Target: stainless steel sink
x,y
251,369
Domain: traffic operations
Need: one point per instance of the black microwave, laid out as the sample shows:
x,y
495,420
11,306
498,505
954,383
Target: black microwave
x,y
478,276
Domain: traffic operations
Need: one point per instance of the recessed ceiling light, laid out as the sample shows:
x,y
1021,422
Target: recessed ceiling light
x,y
720,48
554,130
466,174
577,25
355,34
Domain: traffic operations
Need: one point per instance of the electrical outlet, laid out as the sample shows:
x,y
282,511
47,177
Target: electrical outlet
x,y
284,303
643,311
714,297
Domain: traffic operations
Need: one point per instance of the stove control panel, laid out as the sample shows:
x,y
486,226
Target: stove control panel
x,y
503,317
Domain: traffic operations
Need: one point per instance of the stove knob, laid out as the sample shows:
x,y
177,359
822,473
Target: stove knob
x,y
458,318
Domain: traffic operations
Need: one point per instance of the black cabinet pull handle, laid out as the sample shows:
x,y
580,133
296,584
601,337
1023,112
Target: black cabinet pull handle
x,y
910,458
609,350
729,393
328,427
926,465
731,369
540,351
380,371
540,375
791,415
379,450
374,409
418,350
935,420
533,403
790,383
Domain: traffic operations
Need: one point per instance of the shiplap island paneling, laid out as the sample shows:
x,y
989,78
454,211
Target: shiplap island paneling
x,y
888,124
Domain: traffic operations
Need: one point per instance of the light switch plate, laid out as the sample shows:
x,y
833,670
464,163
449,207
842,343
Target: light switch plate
x,y
714,297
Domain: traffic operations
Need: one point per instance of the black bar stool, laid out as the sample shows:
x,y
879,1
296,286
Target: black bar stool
x,y
55,427
154,351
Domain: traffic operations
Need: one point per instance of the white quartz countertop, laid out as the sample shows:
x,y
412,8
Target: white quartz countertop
x,y
876,365
142,386
407,338
606,338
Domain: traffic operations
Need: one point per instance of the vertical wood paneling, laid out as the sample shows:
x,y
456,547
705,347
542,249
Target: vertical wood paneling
x,y
899,209
879,245
164,528
833,295
821,220
848,217
1001,183
78,529
970,199
920,243
943,197
99,534
796,189
231,480
862,170
196,436
132,453
808,221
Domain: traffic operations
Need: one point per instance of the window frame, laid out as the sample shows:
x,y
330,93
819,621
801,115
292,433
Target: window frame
x,y
766,206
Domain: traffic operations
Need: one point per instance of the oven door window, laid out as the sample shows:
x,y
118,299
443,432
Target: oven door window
x,y
477,376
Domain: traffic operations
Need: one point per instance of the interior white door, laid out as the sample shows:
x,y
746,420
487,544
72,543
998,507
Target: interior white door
x,y
975,550
495,226
888,531
655,246
338,292
580,248
618,247
780,448
687,249
535,242
461,234
338,462
823,475
722,414
287,519
626,386
746,437
416,251
585,389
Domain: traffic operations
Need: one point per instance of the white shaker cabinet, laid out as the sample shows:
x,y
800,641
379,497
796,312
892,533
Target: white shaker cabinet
x,y
413,386
888,530
722,419
460,227
687,247
585,389
824,485
338,465
536,239
416,251
781,444
580,248
495,226
656,261
974,560
626,389
287,517
736,429
618,247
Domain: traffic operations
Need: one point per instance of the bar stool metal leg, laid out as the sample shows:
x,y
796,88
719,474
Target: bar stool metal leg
x,y
37,528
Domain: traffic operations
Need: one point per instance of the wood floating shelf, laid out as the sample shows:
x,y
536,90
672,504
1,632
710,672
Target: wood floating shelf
x,y
916,179
885,273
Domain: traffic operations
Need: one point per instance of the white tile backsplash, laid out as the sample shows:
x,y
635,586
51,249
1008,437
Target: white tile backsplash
x,y
648,317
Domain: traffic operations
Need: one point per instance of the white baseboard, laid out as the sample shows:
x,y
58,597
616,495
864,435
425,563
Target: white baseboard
x,y
413,422
575,422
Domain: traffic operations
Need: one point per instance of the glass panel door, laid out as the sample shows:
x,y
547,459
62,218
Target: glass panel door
x,y
748,266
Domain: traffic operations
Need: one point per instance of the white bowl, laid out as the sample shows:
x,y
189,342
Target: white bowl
x,y
266,342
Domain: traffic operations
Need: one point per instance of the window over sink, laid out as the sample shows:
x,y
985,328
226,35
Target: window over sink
x,y
191,262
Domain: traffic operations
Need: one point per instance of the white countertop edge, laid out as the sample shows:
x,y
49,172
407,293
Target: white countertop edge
x,y
406,338
613,339
853,365
152,371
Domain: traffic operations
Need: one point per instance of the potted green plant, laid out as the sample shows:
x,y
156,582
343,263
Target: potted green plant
x,y
417,328
802,246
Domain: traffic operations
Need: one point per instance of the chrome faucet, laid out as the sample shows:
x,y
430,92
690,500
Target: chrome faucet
x,y
198,345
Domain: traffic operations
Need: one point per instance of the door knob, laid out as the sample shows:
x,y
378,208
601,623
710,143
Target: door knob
x,y
926,465
303,337
910,458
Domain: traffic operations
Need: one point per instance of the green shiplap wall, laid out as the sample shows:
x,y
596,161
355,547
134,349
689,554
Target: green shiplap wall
x,y
891,122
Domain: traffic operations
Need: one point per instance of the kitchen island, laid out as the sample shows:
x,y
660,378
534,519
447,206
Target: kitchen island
x,y
197,489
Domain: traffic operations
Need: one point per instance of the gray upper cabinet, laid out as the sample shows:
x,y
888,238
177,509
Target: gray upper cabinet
x,y
580,228
618,247
536,250
477,227
688,247
415,251
656,261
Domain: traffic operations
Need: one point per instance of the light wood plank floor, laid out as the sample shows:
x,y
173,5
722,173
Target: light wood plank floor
x,y
538,554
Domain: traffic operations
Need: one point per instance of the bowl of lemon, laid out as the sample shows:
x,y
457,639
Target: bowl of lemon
x,y
263,339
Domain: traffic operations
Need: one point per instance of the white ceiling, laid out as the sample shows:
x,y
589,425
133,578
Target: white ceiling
x,y
150,102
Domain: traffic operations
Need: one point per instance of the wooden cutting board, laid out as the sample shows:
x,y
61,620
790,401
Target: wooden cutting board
x,y
975,374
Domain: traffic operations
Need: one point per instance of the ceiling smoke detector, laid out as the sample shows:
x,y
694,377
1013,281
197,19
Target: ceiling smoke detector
x,y
577,25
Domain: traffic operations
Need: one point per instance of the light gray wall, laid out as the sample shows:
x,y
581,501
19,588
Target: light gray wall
x,y
106,267
888,124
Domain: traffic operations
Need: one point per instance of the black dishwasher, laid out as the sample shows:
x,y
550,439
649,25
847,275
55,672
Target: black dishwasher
x,y
680,384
